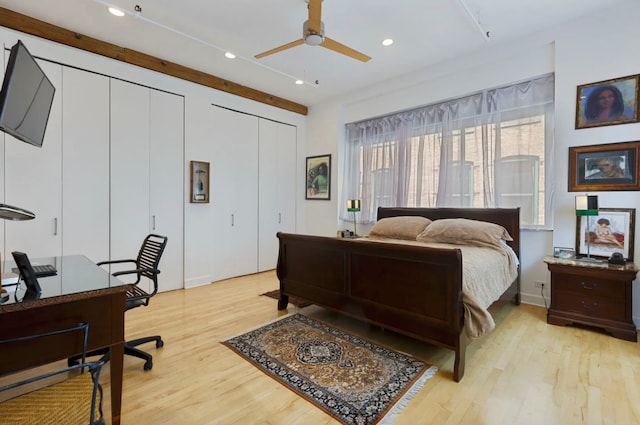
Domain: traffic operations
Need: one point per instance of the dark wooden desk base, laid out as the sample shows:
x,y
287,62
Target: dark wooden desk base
x,y
103,310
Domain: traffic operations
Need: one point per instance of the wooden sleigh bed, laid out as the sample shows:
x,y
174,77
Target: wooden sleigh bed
x,y
414,290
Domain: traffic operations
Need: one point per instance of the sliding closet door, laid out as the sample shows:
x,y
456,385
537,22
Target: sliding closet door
x,y
129,168
276,185
85,164
234,193
167,183
33,181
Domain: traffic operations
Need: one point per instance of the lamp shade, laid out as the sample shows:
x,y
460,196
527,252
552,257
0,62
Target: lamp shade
x,y
586,205
353,205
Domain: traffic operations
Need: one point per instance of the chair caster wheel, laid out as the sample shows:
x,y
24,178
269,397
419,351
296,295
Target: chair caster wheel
x,y
148,365
159,344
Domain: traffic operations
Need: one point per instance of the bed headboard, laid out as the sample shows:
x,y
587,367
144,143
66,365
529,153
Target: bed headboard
x,y
509,218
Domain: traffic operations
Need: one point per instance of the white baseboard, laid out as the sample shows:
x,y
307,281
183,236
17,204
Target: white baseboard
x,y
197,281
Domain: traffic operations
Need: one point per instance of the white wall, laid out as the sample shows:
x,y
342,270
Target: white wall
x,y
577,54
199,235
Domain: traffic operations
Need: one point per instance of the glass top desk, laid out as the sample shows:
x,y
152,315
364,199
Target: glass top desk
x,y
80,292
76,274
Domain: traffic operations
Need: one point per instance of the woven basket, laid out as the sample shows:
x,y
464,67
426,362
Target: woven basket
x,y
65,403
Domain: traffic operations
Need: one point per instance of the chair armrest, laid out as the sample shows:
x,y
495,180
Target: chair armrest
x,y
136,271
115,262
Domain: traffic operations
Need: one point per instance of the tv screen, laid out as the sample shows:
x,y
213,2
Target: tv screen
x,y
26,97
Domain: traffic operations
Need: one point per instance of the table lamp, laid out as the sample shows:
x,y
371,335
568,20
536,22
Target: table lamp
x,y
353,205
9,212
587,205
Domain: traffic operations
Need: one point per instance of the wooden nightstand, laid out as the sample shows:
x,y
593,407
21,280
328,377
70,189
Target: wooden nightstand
x,y
594,294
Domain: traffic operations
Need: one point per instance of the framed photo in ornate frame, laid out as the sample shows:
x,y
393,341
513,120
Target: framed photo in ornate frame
x,y
199,182
608,167
607,102
612,230
318,175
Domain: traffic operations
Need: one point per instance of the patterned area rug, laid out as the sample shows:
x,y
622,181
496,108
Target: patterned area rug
x,y
355,381
297,301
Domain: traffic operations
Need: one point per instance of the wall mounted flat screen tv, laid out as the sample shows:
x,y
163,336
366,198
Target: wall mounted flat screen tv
x,y
26,97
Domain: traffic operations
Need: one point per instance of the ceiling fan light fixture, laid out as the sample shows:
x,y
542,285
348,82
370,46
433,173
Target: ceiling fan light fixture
x,y
312,38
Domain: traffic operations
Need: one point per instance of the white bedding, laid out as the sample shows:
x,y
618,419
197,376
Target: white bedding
x,y
487,273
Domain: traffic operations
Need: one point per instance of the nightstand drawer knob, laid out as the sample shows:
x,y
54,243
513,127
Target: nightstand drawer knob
x,y
592,305
586,285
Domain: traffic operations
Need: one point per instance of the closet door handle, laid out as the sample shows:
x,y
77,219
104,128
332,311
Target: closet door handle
x,y
55,226
153,221
279,218
233,220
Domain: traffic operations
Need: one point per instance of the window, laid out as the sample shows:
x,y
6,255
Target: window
x,y
484,150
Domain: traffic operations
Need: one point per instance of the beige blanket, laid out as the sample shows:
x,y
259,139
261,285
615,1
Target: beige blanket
x,y
487,273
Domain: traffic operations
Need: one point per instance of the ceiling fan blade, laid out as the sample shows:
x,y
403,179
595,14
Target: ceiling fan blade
x,y
315,16
279,49
341,48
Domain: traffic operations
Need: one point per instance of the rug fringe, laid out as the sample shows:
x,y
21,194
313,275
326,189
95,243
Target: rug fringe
x,y
259,326
393,413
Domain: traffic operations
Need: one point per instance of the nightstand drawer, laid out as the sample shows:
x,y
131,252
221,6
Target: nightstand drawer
x,y
600,307
589,286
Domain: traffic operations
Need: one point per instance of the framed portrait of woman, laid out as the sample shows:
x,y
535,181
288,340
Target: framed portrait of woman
x,y
606,167
607,102
318,177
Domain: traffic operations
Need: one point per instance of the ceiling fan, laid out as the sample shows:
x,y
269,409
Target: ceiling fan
x,y
313,35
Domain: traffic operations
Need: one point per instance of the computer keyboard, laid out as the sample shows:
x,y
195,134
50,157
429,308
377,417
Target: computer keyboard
x,y
40,270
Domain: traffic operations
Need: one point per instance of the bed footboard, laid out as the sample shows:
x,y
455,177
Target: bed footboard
x,y
416,291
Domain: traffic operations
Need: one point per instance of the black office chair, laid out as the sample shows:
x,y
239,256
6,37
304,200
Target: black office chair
x,y
146,265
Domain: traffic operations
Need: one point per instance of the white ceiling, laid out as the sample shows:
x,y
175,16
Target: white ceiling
x,y
195,33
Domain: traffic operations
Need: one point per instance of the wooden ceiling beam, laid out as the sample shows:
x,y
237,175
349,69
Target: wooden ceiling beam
x,y
38,28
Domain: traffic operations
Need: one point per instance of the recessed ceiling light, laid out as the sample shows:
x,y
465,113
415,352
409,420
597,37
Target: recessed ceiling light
x,y
230,55
299,82
387,42
116,12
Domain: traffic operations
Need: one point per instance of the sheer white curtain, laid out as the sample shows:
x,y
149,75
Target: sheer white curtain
x,y
487,149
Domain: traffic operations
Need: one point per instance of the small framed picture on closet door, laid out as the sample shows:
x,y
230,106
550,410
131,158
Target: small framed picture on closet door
x,y
199,182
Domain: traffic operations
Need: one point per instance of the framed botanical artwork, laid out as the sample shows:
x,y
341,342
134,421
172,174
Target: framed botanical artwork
x,y
613,166
199,182
318,177
612,230
607,102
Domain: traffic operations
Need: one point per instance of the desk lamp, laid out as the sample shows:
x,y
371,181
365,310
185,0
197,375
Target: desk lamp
x,y
587,205
15,214
353,205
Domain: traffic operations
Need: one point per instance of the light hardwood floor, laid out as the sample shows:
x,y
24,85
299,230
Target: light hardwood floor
x,y
524,372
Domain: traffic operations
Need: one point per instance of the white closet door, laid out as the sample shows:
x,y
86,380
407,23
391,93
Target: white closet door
x,y
287,159
33,181
85,164
129,169
234,193
276,188
268,191
167,185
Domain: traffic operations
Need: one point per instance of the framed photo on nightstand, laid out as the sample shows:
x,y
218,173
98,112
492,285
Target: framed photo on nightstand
x,y
566,253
